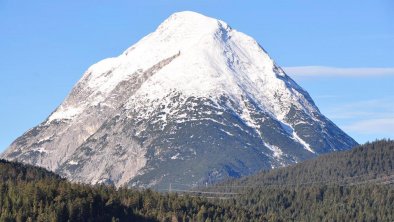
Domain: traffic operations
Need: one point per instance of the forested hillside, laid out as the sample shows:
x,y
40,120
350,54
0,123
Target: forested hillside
x,y
296,193
355,185
363,163
29,193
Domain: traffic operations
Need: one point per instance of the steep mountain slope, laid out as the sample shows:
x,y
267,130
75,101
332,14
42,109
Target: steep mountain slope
x,y
195,101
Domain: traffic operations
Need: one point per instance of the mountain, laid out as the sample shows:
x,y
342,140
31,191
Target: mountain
x,y
193,102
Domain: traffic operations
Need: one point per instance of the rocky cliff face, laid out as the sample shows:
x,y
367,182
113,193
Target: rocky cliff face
x,y
193,102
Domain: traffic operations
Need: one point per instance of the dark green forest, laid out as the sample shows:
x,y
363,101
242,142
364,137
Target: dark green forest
x,y
362,163
354,185
30,193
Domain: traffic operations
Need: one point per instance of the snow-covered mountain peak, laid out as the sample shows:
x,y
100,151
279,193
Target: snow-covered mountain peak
x,y
193,92
208,58
213,60
180,32
187,25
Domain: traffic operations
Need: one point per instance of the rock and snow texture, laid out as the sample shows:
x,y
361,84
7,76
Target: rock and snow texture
x,y
193,102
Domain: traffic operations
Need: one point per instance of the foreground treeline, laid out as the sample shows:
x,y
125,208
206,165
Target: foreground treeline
x,y
33,194
29,193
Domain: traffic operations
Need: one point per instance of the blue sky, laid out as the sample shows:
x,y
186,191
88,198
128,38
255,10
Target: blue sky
x,y
341,52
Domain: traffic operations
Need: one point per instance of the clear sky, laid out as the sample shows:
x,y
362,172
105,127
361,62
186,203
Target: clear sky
x,y
341,52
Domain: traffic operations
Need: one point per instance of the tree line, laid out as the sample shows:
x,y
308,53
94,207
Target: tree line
x,y
29,193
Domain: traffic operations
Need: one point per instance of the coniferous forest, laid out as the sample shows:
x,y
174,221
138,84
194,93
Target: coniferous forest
x,y
355,185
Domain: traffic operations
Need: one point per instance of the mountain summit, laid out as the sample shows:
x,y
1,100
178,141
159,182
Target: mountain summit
x,y
193,102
